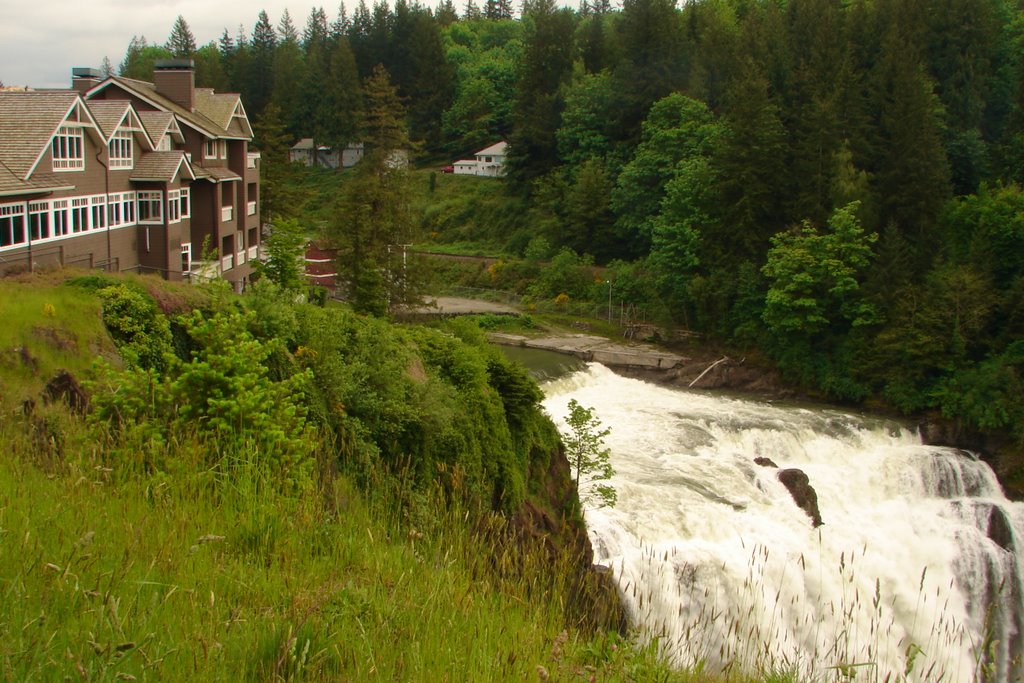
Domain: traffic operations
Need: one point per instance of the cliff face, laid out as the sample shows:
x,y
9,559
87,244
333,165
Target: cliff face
x,y
551,519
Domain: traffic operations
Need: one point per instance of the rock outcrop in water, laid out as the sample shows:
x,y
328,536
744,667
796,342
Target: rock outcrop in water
x,y
803,493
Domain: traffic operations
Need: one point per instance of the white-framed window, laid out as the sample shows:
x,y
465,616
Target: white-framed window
x,y
173,206
128,202
186,258
68,148
151,206
39,220
210,149
222,149
12,225
164,145
61,219
121,149
98,212
186,202
79,214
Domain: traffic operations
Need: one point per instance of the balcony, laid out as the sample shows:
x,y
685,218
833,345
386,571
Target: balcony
x,y
240,257
254,252
250,209
228,262
250,159
227,213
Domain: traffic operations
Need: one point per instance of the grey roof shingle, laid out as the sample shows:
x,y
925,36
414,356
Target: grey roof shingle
x,y
160,166
27,122
156,124
212,111
109,114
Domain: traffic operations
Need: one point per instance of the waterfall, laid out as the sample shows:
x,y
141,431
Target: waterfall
x,y
916,571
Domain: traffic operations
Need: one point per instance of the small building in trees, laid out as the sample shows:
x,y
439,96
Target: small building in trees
x,y
302,152
128,175
489,162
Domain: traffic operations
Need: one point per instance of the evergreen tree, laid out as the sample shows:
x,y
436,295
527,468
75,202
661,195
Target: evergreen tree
x,y
261,67
545,69
286,30
750,167
210,71
446,14
374,225
429,88
106,68
649,34
181,43
277,196
288,77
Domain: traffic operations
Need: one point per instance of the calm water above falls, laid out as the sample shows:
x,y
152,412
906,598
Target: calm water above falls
x,y
916,564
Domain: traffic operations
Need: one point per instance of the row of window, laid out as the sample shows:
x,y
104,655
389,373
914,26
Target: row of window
x,y
56,218
68,149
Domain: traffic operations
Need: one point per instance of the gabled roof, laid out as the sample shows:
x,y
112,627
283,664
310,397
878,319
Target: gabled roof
x,y
224,109
304,143
496,149
158,124
162,167
29,120
206,105
109,114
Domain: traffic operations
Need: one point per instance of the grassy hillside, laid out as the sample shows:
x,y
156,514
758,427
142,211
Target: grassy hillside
x,y
134,546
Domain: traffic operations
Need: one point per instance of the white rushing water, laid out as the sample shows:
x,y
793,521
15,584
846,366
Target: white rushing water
x,y
915,572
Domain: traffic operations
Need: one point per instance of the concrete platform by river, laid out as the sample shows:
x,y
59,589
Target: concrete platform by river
x,y
597,349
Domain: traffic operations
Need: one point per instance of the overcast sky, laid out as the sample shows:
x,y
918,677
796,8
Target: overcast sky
x,y
41,40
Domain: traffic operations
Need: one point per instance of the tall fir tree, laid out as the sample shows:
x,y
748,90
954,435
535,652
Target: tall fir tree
x,y
261,66
374,226
181,42
545,69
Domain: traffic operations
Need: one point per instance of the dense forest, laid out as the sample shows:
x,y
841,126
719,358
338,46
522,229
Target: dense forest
x,y
834,183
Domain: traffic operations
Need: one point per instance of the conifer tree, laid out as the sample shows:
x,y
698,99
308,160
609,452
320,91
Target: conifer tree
x,y
373,225
261,68
545,69
181,43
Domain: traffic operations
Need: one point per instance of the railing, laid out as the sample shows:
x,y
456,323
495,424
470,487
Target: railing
x,y
227,213
254,252
251,208
240,257
250,159
228,262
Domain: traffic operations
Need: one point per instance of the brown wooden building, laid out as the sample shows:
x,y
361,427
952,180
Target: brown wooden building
x,y
127,175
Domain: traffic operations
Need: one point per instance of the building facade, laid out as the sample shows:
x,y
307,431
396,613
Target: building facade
x,y
127,175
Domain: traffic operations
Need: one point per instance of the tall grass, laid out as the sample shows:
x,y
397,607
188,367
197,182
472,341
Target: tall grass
x,y
210,573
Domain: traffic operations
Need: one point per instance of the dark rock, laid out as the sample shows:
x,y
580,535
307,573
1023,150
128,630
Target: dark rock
x,y
803,493
765,462
65,387
999,529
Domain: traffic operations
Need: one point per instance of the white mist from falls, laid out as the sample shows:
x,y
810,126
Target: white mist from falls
x,y
916,571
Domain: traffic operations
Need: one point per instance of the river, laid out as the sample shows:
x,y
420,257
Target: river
x,y
916,571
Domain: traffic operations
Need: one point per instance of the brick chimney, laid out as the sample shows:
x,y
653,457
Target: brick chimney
x,y
84,79
175,79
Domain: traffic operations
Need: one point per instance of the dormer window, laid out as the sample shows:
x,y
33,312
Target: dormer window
x,y
121,150
165,144
68,149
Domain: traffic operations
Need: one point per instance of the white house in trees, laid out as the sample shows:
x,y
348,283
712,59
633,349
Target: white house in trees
x,y
489,162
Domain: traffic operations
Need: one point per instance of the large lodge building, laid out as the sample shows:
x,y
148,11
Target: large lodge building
x,y
126,175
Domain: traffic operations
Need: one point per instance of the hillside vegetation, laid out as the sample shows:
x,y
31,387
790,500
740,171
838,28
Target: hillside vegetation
x,y
265,490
